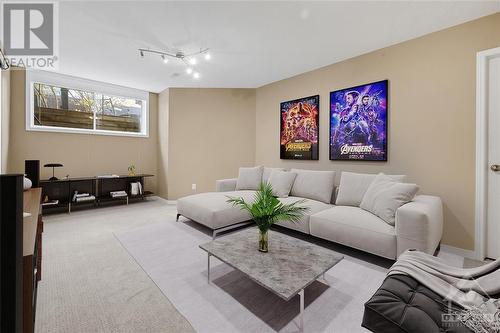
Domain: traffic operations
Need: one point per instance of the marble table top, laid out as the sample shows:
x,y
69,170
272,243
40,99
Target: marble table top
x,y
290,265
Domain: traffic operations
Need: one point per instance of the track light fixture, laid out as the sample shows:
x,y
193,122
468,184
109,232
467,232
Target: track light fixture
x,y
189,59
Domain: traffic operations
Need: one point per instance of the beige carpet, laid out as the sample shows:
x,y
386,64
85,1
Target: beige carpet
x,y
89,281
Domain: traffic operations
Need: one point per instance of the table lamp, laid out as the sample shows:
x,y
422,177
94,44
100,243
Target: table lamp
x,y
53,165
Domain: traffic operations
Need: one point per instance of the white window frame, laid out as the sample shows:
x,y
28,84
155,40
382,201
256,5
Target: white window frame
x,y
71,82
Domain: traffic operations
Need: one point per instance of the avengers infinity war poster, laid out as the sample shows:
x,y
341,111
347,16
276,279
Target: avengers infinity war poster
x,y
358,123
299,129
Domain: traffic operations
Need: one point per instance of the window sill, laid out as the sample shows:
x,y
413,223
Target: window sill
x,y
84,131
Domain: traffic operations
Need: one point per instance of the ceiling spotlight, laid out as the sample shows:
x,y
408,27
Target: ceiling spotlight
x,y
187,60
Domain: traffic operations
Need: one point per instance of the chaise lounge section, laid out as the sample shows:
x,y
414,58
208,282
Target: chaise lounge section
x,y
417,224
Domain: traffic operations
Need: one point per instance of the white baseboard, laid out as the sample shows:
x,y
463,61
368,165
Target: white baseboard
x,y
459,251
172,202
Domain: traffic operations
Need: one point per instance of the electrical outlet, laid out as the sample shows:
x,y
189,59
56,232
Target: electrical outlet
x,y
193,187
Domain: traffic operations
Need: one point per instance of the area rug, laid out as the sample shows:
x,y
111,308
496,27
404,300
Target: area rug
x,y
168,252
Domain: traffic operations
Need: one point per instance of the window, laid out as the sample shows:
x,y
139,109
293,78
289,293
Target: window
x,y
64,104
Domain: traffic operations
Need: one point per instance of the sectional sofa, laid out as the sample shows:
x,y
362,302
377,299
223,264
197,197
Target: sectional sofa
x,y
335,213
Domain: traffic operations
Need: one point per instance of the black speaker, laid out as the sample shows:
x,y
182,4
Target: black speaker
x,y
11,253
32,171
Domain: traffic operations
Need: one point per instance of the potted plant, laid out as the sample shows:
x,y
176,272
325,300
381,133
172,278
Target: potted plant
x,y
131,170
266,210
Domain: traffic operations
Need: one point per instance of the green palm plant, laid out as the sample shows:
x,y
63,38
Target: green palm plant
x,y
266,210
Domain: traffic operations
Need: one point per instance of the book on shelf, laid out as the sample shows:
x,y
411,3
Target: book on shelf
x,y
50,203
77,195
85,199
118,194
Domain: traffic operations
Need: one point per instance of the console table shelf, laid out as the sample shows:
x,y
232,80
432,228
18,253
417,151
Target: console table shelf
x,y
100,187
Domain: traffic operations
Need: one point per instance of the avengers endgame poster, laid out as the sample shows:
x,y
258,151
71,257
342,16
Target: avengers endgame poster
x,y
358,122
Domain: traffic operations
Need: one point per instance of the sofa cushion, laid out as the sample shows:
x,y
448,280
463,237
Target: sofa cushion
x,y
249,178
267,173
281,182
314,207
355,227
315,185
353,187
212,209
385,195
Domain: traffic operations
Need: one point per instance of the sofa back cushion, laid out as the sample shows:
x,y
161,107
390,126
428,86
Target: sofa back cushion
x,y
353,187
385,195
281,182
267,173
249,178
315,185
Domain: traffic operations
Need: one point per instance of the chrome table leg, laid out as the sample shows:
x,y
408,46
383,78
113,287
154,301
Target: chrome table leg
x,y
301,325
208,268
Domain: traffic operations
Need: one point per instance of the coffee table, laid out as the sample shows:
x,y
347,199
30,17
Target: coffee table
x,y
286,270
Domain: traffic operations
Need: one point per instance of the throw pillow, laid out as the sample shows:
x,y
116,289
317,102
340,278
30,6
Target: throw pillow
x,y
315,185
249,178
281,182
353,187
385,195
267,173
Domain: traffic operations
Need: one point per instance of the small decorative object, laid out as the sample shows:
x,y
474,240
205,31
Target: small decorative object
x,y
131,170
266,210
134,188
53,165
27,183
358,123
299,129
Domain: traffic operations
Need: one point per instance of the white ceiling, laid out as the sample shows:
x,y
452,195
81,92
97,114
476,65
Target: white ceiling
x,y
252,43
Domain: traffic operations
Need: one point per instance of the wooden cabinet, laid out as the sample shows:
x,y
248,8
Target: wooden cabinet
x,y
32,255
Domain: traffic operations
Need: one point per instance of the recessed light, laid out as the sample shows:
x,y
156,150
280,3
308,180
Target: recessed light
x,y
208,56
165,59
196,75
189,70
192,61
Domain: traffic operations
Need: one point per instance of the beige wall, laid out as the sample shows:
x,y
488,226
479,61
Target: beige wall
x,y
431,115
5,118
211,134
163,113
81,154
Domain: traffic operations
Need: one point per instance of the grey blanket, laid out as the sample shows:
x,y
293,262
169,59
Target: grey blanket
x,y
468,287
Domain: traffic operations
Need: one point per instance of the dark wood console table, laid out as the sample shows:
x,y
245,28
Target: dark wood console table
x,y
100,187
32,255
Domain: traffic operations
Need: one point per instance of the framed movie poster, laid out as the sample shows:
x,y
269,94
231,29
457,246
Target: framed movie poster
x,y
358,122
299,129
